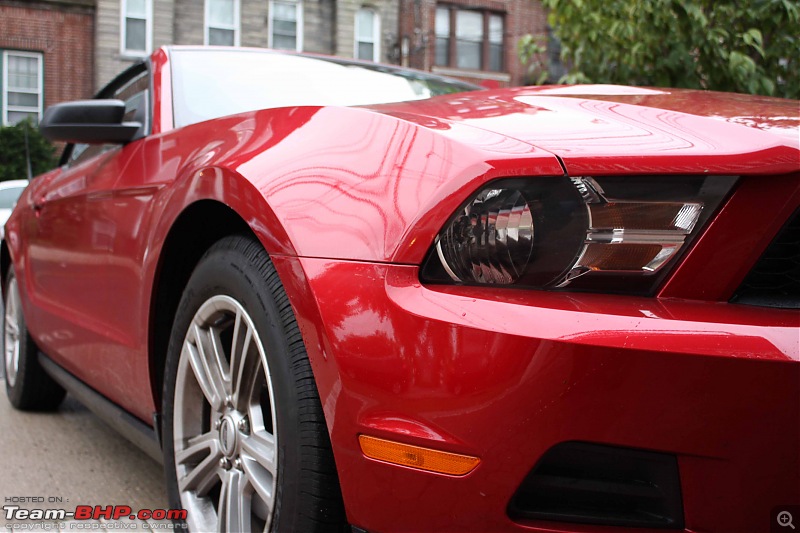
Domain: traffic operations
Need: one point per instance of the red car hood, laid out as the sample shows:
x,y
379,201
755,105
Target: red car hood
x,y
621,130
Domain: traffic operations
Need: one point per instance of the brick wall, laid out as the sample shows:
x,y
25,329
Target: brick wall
x,y
64,33
418,38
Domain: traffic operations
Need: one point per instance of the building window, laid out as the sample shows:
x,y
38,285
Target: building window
x,y
23,87
222,22
368,31
137,27
495,42
442,36
286,25
469,39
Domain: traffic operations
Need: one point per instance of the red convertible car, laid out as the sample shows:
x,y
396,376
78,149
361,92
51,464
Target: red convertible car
x,y
340,295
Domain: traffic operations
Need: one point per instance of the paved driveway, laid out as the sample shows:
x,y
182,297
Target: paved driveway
x,y
74,456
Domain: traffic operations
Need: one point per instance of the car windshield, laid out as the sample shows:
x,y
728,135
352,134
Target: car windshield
x,y
8,197
214,83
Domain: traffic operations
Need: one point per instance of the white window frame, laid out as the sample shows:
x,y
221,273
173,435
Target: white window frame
x,y
298,4
236,27
376,34
40,92
148,30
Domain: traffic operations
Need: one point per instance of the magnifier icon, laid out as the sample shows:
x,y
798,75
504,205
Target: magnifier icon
x,y
785,519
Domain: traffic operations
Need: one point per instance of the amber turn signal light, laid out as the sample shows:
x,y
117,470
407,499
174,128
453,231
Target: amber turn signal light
x,y
417,457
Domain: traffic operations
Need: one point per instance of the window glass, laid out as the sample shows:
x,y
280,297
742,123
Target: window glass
x,y
215,83
367,35
15,117
365,25
495,42
221,13
23,72
222,22
442,35
217,37
469,39
366,51
479,38
8,197
284,25
137,8
23,99
135,34
136,26
135,93
22,86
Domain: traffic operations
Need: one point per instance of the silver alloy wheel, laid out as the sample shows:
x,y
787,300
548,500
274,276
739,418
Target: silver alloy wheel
x,y
225,439
11,339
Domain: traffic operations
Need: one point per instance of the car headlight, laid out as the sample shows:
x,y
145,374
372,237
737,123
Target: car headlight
x,y
614,234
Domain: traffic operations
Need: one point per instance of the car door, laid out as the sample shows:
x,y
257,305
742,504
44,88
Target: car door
x,y
81,228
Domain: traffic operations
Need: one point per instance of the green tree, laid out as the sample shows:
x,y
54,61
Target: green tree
x,y
750,46
12,152
531,50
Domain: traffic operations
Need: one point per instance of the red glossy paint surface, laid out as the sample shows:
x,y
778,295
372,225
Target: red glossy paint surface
x,y
735,239
683,132
505,376
348,213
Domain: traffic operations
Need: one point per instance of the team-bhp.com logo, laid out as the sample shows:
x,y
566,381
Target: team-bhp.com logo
x,y
96,512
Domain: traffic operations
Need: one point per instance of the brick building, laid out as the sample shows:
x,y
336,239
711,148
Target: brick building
x,y
474,40
46,55
130,29
56,50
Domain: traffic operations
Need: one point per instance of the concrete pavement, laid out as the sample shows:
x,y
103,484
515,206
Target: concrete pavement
x,y
72,458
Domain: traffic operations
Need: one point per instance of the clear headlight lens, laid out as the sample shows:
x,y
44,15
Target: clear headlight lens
x,y
491,240
615,234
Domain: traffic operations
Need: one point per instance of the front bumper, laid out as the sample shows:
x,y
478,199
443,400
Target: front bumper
x,y
505,375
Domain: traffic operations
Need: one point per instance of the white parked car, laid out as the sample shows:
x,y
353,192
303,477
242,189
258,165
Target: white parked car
x,y
9,193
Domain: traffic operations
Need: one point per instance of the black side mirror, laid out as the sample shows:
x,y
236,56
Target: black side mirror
x,y
88,121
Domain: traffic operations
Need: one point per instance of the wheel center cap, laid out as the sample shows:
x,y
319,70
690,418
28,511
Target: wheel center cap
x,y
227,436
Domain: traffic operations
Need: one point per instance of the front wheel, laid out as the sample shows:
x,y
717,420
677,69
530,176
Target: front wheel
x,y
246,446
28,387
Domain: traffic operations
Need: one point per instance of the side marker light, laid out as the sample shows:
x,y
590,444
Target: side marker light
x,y
417,457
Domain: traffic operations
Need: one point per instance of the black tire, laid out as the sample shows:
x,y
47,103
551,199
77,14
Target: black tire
x,y
237,271
28,386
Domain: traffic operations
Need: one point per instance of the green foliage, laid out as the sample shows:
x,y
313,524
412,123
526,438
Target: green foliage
x,y
12,152
750,46
530,49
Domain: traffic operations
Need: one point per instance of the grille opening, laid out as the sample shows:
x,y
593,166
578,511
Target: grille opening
x,y
604,485
774,280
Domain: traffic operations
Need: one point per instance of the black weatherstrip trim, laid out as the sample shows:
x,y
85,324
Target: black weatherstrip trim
x,y
120,420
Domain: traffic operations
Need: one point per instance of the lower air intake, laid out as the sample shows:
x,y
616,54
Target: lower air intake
x,y
603,485
775,280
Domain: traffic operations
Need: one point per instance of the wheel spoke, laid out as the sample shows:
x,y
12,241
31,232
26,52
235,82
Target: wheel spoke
x,y
244,364
227,475
11,327
12,333
206,367
234,504
262,482
218,355
260,447
201,458
11,303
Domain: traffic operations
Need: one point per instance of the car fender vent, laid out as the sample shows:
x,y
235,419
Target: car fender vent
x,y
604,485
774,281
